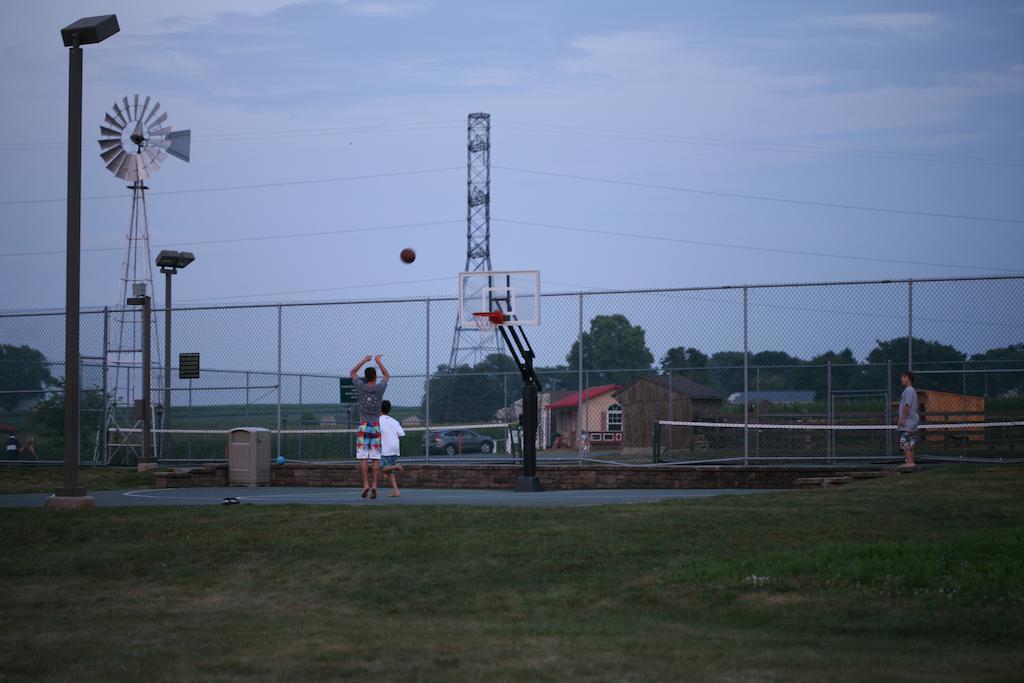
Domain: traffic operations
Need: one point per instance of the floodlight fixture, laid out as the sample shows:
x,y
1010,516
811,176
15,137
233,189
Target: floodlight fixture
x,y
90,30
173,260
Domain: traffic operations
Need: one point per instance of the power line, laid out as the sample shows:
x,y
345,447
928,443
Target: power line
x,y
759,145
315,291
764,198
725,245
313,181
231,240
262,135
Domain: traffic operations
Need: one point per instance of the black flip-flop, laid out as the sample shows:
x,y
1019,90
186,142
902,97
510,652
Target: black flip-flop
x,y
373,493
365,491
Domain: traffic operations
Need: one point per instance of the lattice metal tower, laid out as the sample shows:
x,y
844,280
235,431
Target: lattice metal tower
x,y
136,138
469,345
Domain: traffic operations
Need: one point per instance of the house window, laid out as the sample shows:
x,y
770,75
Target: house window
x,y
614,418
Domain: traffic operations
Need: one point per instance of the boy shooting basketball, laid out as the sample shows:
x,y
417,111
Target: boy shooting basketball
x,y
390,446
369,394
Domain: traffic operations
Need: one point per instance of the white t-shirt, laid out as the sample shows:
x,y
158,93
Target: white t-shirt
x,y
390,431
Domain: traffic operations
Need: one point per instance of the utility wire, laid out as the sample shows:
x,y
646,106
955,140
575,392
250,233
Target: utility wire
x,y
231,240
740,143
316,291
764,198
262,135
725,245
313,181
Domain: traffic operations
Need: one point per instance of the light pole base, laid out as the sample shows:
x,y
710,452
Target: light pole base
x,y
70,503
528,485
145,466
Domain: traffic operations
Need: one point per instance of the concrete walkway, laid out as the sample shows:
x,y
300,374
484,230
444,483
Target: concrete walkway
x,y
282,495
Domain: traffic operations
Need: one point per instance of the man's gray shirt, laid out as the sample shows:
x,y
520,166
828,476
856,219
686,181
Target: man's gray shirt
x,y
369,398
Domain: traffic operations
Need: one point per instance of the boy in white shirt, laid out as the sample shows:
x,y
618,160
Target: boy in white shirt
x,y
390,447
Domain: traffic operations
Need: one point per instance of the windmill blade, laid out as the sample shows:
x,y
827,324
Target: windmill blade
x,y
145,106
113,165
111,154
158,121
111,132
152,113
136,111
127,109
165,131
112,122
181,143
109,144
119,115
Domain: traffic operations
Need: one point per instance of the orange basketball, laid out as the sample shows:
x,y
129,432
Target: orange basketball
x,y
408,255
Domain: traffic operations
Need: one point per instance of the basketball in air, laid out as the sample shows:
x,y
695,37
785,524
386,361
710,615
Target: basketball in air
x,y
408,255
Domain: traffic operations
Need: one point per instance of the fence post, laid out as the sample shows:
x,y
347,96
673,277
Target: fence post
x,y
829,409
910,325
426,393
888,407
279,385
579,395
300,417
670,417
746,384
106,399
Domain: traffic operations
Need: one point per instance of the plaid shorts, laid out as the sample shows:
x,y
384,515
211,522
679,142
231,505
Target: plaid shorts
x,y
368,440
388,461
907,441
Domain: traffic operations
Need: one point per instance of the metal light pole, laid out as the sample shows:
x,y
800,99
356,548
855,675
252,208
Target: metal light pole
x,y
85,31
169,263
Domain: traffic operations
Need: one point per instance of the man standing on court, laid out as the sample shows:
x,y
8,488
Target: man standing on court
x,y
909,417
369,394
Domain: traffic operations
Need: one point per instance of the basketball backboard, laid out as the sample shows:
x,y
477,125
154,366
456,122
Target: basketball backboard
x,y
516,293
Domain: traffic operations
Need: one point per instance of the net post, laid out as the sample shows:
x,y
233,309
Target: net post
x,y
656,442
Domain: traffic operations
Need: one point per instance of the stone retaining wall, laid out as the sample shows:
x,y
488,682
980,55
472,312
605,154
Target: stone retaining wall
x,y
505,476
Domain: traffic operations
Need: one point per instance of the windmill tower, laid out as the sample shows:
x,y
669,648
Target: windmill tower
x,y
136,138
470,346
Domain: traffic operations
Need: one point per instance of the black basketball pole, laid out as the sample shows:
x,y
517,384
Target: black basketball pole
x,y
522,353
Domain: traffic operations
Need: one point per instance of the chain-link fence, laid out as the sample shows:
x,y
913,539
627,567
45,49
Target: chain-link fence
x,y
800,354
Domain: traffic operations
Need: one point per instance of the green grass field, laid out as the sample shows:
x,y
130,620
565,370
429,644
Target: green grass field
x,y
917,577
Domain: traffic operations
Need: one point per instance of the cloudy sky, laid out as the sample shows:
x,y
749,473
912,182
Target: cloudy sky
x,y
639,144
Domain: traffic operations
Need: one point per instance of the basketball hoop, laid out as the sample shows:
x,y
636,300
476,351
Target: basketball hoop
x,y
488,320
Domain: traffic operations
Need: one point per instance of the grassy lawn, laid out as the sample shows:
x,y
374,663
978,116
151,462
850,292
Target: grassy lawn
x,y
47,479
918,577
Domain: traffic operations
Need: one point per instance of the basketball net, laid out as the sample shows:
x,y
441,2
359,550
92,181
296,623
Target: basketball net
x,y
488,320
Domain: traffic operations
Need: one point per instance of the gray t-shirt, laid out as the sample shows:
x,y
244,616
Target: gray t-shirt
x,y
369,398
909,398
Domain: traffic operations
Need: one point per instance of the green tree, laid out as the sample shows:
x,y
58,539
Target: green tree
x,y
683,358
47,420
725,370
928,355
22,368
474,393
612,343
993,382
846,374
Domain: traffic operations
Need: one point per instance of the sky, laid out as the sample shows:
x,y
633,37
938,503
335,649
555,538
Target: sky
x,y
634,144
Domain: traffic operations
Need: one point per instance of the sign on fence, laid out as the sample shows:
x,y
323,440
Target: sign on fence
x,y
348,390
188,366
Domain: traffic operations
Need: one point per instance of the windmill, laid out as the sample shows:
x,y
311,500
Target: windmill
x,y
136,138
